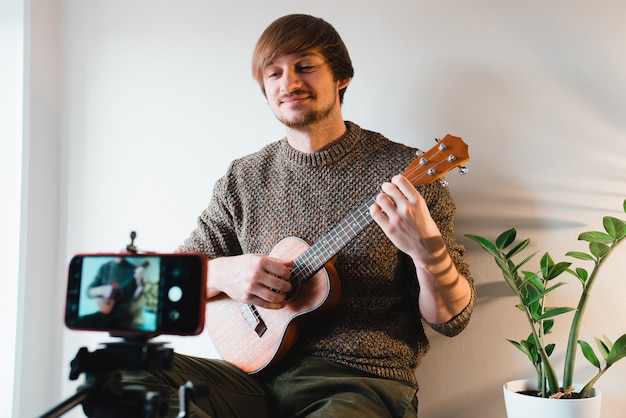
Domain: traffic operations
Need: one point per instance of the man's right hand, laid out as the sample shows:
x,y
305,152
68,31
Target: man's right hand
x,y
256,279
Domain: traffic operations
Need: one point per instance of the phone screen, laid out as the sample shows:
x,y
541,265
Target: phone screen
x,y
137,293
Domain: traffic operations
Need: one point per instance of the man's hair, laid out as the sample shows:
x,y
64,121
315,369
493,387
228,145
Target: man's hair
x,y
298,33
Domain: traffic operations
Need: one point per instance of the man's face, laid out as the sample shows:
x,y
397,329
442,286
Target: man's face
x,y
300,89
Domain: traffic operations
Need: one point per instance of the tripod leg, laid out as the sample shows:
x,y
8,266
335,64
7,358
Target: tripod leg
x,y
68,404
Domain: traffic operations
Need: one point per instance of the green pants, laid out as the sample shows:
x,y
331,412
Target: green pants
x,y
301,387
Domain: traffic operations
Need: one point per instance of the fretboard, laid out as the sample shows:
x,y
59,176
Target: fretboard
x,y
313,259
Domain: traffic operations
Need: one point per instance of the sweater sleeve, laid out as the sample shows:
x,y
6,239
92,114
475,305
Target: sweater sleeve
x,y
215,234
443,209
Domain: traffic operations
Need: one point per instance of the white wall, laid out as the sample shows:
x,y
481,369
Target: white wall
x,y
156,97
38,335
12,57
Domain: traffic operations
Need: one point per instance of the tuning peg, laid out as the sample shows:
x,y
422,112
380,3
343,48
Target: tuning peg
x,y
463,170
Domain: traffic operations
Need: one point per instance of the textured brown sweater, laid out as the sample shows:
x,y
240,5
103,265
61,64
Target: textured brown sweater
x,y
279,192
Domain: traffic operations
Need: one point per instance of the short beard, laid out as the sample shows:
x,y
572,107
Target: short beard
x,y
309,118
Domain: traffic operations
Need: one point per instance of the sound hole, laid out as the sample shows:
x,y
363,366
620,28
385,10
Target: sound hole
x,y
296,286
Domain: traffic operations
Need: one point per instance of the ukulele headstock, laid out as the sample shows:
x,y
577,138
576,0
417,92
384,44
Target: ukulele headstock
x,y
448,153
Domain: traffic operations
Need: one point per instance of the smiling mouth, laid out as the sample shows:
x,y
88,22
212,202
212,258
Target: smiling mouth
x,y
295,97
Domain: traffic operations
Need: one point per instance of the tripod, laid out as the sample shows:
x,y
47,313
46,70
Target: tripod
x,y
103,395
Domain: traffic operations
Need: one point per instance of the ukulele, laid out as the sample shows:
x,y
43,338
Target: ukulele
x,y
255,338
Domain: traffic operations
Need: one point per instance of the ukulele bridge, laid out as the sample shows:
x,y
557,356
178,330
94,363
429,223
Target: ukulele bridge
x,y
251,316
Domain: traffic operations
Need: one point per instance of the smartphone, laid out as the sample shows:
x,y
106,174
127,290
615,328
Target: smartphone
x,y
137,294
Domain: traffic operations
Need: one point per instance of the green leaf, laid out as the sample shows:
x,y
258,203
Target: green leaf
x,y
607,341
517,249
547,326
535,309
595,236
581,256
547,291
509,277
486,244
589,354
582,274
506,238
550,349
524,261
616,228
618,351
532,280
531,346
518,345
552,312
546,262
599,249
523,349
556,270
552,288
603,346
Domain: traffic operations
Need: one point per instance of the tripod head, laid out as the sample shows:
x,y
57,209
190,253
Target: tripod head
x,y
129,354
103,394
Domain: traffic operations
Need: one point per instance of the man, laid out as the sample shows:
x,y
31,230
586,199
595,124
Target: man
x,y
117,285
359,358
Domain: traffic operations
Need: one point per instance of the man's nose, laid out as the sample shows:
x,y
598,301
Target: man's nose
x,y
291,81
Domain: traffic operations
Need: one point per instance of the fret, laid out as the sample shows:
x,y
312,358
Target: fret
x,y
314,258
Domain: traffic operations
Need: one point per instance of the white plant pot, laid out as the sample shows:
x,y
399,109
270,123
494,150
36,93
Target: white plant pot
x,y
524,406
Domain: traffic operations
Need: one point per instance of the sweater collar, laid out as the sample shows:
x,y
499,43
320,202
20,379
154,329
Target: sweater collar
x,y
329,156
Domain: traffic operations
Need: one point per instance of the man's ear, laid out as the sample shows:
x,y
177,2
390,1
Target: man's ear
x,y
344,83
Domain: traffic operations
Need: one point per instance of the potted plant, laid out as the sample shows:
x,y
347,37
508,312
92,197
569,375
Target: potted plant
x,y
532,289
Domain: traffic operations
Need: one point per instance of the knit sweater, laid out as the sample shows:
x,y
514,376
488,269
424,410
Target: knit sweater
x,y
280,192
